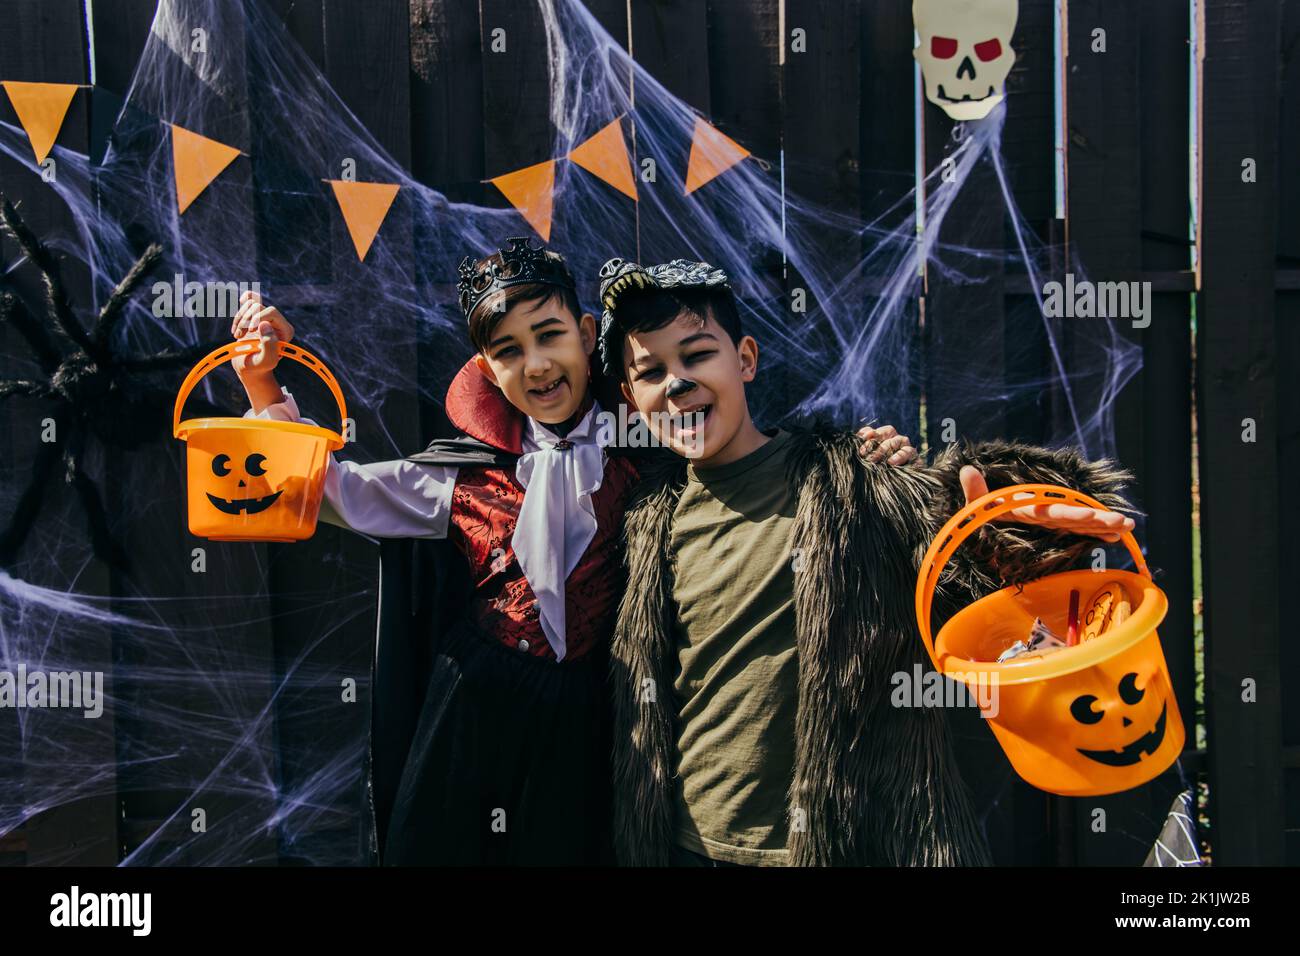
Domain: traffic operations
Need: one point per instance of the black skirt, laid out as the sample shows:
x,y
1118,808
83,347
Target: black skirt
x,y
510,761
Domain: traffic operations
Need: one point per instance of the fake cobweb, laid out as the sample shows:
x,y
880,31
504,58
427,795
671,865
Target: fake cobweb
x,y
227,736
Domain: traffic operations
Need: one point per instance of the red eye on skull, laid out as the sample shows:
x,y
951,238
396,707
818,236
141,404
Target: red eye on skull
x,y
988,50
943,48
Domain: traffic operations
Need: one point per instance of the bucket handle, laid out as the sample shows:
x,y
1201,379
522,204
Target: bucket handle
x,y
225,353
980,512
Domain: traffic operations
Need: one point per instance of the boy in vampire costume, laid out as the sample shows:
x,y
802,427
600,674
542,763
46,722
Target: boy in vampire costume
x,y
770,604
500,575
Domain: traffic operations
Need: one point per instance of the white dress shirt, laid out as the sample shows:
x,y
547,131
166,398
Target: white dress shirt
x,y
384,499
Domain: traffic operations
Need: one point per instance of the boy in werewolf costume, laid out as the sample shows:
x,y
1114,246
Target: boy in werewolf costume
x,y
770,600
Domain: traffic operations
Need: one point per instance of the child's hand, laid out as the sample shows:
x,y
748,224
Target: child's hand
x,y
256,321
891,446
1078,519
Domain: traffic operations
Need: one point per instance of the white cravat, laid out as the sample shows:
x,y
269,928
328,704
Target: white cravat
x,y
557,519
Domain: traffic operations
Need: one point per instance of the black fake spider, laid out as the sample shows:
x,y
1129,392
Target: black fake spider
x,y
94,390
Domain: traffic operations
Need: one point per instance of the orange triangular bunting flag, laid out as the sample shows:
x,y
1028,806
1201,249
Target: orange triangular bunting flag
x,y
41,108
529,191
605,156
196,161
712,153
364,206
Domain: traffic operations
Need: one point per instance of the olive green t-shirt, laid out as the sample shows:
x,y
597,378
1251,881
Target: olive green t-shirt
x,y
737,684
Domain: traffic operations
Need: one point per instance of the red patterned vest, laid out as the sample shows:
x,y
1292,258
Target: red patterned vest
x,y
485,508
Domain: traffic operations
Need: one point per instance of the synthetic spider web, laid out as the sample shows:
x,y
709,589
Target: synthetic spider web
x,y
1177,844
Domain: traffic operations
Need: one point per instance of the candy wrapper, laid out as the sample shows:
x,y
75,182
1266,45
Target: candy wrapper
x,y
1041,640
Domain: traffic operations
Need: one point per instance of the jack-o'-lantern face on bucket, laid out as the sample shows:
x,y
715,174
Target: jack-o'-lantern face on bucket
x,y
248,489
1133,707
965,53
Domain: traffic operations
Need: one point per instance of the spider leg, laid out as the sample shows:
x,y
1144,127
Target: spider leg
x,y
165,360
14,312
207,409
196,405
102,541
112,310
18,386
55,296
29,504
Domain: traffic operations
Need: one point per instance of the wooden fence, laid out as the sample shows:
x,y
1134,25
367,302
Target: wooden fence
x,y
1226,316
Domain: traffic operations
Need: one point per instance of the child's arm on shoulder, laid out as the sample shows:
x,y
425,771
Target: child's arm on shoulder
x,y
885,444
384,499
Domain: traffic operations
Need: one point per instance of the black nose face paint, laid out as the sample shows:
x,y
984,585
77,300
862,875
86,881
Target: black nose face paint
x,y
680,386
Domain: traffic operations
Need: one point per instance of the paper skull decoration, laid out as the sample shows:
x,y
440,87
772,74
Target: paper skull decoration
x,y
965,53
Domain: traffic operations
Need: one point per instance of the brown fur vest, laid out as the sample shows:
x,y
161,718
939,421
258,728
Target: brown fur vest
x,y
878,785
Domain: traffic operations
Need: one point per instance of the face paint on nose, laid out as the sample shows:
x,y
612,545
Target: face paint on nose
x,y
680,386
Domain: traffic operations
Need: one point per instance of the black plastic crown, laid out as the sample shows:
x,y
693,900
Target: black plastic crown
x,y
521,263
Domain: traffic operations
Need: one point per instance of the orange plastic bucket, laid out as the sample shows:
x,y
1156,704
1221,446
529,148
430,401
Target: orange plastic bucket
x,y
253,479
1095,718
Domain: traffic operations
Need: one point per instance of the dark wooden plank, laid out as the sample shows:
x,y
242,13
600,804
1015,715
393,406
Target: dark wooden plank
x,y
1030,115
1288,463
1166,380
1103,137
516,94
960,320
886,126
745,92
1029,160
121,26
745,79
518,131
1238,379
819,113
955,321
964,367
670,42
1288,226
585,204
365,56
447,156
1288,408
1029,154
367,62
1101,115
46,42
886,160
1108,94
958,323
376,90
157,799
447,99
